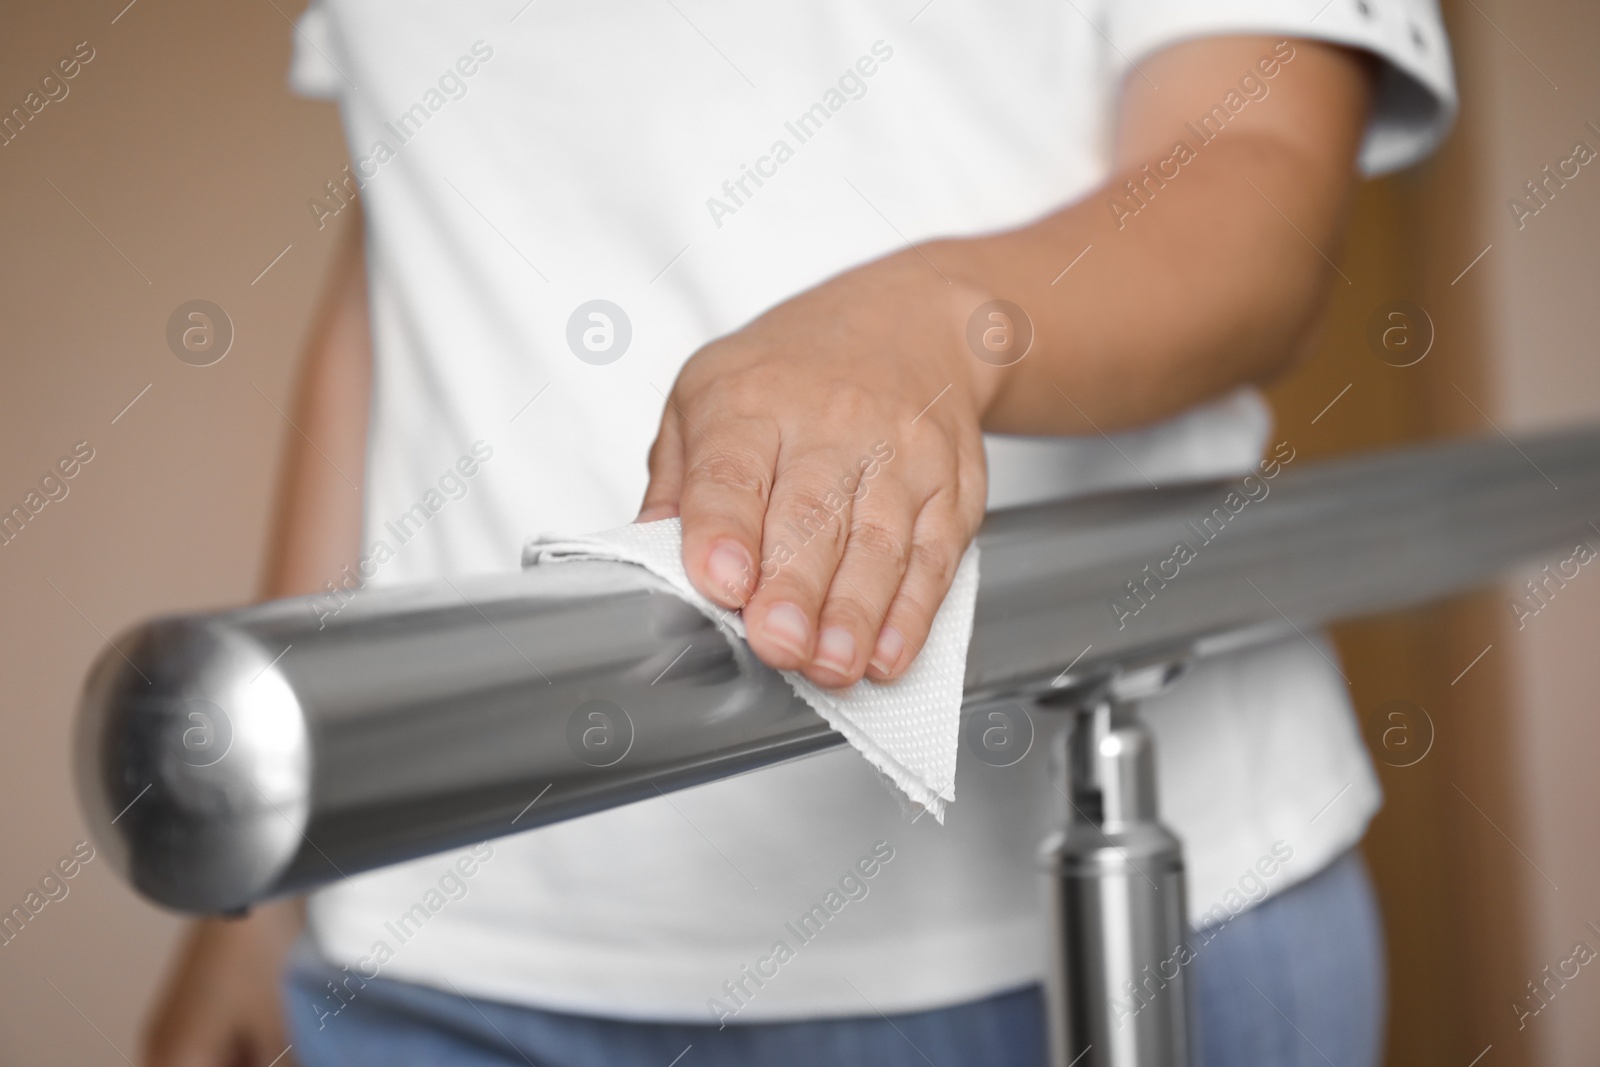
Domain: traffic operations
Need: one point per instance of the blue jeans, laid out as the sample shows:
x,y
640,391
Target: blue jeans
x,y
1297,981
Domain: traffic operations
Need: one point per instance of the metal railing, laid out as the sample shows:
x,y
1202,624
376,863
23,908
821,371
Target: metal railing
x,y
228,758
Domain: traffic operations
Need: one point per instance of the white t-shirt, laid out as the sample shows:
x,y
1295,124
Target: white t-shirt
x,y
694,163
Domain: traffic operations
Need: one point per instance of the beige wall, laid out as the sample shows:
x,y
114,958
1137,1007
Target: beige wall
x,y
179,143
1474,840
1539,287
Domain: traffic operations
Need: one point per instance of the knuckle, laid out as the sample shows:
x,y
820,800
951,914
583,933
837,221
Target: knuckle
x,y
972,490
953,514
733,384
969,521
750,390
912,613
851,404
813,513
936,562
721,469
732,394
881,542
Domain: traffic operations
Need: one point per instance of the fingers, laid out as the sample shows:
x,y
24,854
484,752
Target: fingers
x,y
666,472
723,500
852,580
839,573
810,527
864,585
839,568
221,1005
940,537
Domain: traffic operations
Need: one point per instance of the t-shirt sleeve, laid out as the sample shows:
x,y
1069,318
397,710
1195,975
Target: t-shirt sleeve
x,y
1416,100
311,69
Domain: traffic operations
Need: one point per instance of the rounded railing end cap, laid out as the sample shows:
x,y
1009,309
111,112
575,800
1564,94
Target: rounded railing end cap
x,y
193,763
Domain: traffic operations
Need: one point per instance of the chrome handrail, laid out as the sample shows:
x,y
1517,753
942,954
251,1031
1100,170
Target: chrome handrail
x,y
231,757
424,717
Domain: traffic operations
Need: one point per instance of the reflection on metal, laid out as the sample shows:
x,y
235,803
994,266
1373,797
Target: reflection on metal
x,y
1114,876
422,718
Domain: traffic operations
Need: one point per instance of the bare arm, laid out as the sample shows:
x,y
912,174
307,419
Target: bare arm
x,y
1205,278
318,527
1212,283
220,1006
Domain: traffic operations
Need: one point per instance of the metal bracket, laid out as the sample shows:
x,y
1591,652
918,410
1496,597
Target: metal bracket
x,y
1115,877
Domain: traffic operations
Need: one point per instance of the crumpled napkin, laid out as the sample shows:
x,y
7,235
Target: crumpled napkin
x,y
909,729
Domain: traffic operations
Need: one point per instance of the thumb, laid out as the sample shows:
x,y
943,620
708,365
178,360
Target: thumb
x,y
666,472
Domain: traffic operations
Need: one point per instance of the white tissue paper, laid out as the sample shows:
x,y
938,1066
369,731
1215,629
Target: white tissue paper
x,y
909,729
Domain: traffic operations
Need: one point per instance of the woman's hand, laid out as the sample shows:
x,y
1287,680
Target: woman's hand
x,y
826,459
221,1006
827,462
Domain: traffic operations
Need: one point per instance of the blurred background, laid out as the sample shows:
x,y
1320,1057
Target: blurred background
x,y
179,168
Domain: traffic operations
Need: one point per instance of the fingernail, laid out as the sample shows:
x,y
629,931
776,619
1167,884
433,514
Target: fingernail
x,y
836,650
729,568
887,652
786,625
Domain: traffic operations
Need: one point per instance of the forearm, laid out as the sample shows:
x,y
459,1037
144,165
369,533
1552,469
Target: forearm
x,y
1211,272
1208,287
318,522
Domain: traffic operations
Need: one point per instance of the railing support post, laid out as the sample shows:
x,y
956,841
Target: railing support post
x,y
1117,993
